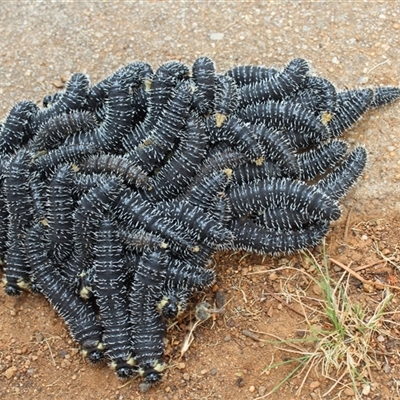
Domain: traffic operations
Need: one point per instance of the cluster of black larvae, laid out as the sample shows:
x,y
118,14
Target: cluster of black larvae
x,y
115,196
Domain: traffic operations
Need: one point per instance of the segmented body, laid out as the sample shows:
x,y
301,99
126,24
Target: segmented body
x,y
110,290
148,326
77,314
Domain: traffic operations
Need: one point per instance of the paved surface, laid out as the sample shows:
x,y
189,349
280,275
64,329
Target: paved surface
x,y
351,43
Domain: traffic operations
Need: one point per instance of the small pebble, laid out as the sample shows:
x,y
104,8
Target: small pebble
x,y
387,369
262,390
348,392
186,376
240,382
63,353
10,372
315,384
58,84
219,299
317,290
252,389
213,371
273,276
217,36
366,390
181,365
227,338
380,338
335,60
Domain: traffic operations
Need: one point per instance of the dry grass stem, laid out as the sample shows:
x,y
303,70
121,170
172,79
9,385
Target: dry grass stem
x,y
341,334
378,285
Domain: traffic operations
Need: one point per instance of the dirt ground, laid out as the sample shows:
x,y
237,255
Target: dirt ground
x,y
353,44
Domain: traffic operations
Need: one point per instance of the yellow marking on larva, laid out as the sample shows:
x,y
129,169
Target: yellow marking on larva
x,y
159,366
74,168
259,161
147,84
37,155
195,249
44,222
220,119
326,117
85,293
228,172
147,142
23,284
163,302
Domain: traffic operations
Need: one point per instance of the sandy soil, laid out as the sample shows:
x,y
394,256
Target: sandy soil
x,y
354,44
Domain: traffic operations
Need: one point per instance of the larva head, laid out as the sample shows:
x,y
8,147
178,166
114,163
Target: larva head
x,y
170,306
93,350
152,371
124,368
12,290
95,356
124,372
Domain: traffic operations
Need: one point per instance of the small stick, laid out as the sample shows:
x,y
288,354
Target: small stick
x,y
278,338
251,335
388,259
51,353
361,267
377,65
287,305
346,229
361,279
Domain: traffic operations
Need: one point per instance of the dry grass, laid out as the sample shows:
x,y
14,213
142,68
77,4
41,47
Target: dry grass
x,y
341,334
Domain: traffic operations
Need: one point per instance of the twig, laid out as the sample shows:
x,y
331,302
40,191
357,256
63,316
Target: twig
x,y
337,381
378,285
361,267
377,65
52,384
229,25
51,353
346,229
128,382
301,351
287,305
250,335
388,259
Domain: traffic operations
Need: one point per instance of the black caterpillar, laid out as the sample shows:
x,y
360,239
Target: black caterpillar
x,y
115,196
